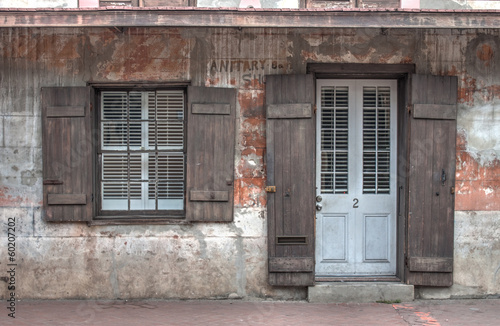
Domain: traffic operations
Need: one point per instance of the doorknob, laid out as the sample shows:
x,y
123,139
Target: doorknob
x,y
319,207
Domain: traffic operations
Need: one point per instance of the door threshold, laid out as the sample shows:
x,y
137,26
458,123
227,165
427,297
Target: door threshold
x,y
357,279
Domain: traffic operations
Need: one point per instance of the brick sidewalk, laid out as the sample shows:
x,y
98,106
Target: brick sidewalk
x,y
435,313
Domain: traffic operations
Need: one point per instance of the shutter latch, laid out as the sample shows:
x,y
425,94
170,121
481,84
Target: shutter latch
x,y
271,189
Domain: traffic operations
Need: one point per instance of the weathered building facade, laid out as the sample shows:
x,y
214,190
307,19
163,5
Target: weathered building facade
x,y
140,148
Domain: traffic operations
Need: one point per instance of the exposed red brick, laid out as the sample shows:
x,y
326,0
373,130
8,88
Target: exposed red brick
x,y
252,104
485,53
253,132
140,54
250,192
255,83
406,59
251,164
467,167
212,81
477,186
477,195
467,90
461,142
490,172
452,72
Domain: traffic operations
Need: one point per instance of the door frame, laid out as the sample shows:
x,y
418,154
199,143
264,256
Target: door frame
x,y
401,73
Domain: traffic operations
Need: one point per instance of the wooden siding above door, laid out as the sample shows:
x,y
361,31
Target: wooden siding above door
x,y
431,181
291,169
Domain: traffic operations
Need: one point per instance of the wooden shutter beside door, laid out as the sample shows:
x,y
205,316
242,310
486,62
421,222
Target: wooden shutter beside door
x,y
210,154
431,181
291,169
67,154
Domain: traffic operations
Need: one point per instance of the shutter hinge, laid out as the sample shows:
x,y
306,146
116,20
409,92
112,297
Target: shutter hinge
x,y
271,189
408,107
406,260
315,109
92,197
452,190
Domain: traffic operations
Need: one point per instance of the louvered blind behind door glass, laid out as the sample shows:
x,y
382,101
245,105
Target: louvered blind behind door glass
x,y
334,139
142,144
376,140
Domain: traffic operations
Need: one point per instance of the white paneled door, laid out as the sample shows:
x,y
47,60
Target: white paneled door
x,y
356,178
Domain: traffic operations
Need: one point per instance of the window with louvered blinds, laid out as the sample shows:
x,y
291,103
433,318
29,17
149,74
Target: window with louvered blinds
x,y
376,140
366,110
334,139
142,150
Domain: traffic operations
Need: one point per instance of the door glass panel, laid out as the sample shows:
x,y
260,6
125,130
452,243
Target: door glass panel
x,y
334,139
376,140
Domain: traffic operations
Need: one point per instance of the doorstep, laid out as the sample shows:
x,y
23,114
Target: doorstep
x,y
343,292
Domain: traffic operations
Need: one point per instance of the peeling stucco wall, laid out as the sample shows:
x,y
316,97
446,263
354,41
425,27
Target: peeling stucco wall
x,y
218,260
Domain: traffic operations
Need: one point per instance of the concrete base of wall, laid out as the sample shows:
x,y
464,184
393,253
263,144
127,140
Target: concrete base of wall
x,y
341,292
454,292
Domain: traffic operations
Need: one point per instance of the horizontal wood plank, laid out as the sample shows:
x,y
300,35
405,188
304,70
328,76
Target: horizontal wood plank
x,y
291,264
435,111
291,279
289,111
199,17
65,111
67,199
201,195
346,69
215,108
431,264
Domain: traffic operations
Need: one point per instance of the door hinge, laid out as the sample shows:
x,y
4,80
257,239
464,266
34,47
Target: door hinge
x,y
408,107
315,109
92,197
271,189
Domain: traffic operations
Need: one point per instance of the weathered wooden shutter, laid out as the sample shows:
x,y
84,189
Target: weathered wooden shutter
x,y
290,169
431,180
67,153
210,154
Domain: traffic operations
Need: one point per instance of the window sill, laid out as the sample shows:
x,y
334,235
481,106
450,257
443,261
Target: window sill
x,y
137,221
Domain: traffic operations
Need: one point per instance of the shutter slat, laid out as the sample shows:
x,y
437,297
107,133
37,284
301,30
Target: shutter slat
x,y
66,199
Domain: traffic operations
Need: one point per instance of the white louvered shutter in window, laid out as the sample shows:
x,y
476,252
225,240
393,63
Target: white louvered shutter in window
x,y
142,150
376,140
334,139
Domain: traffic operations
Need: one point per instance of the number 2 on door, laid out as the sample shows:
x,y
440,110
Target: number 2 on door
x,y
356,201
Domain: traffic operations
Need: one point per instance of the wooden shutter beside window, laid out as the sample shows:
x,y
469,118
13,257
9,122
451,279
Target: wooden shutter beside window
x,y
431,180
210,154
67,154
291,169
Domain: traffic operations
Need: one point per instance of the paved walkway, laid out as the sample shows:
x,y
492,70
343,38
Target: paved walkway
x,y
124,313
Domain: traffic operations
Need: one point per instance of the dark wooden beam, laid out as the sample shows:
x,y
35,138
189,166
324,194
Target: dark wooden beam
x,y
233,17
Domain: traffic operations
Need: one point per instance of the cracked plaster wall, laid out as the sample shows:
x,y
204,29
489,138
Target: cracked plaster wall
x,y
213,260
